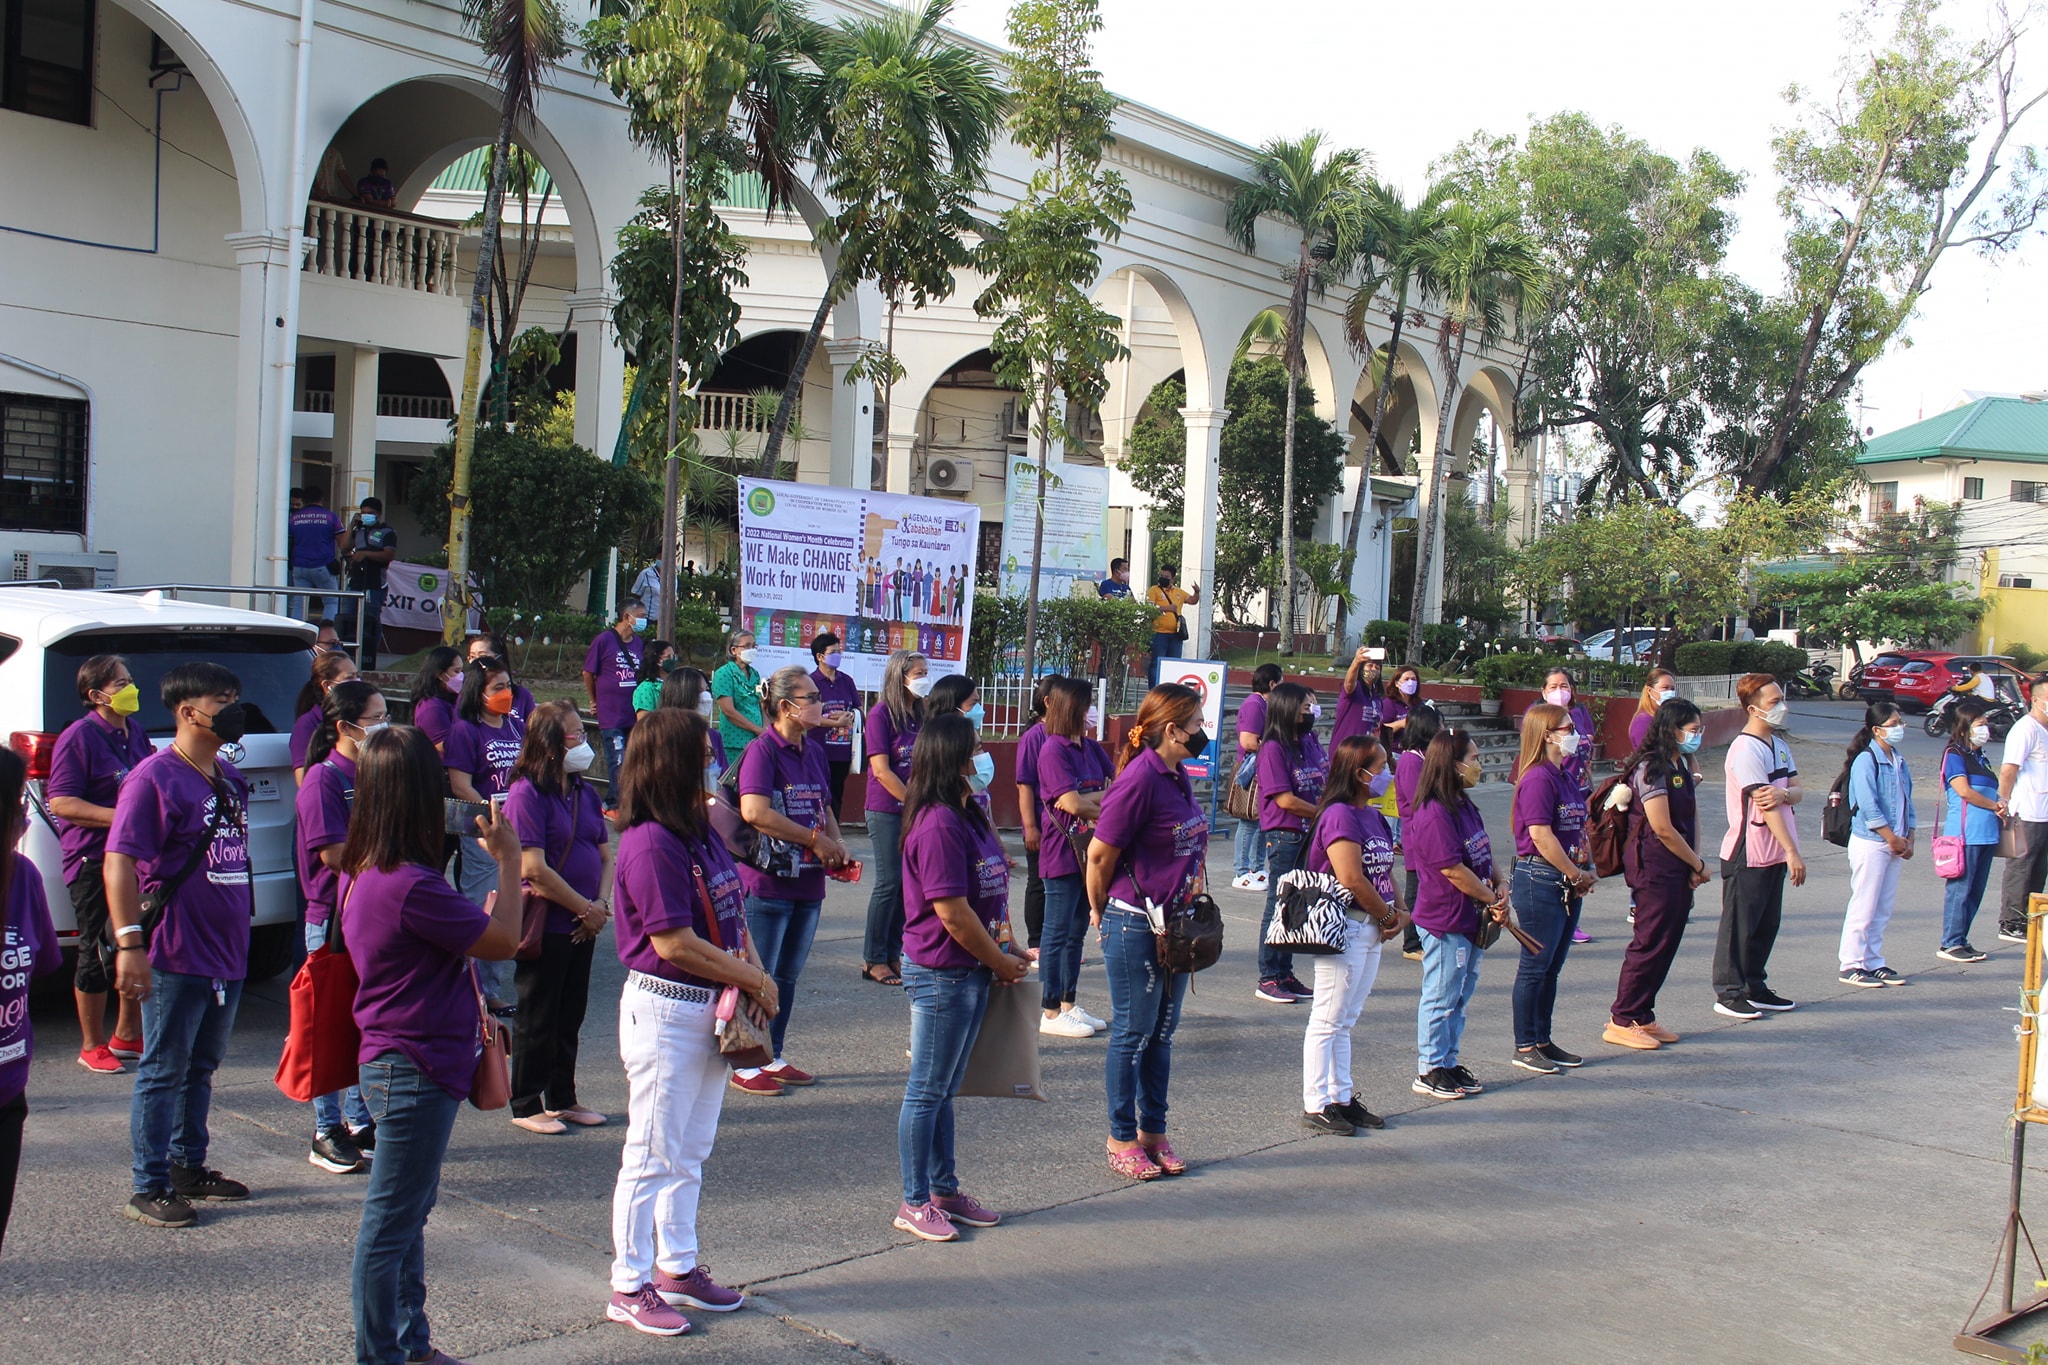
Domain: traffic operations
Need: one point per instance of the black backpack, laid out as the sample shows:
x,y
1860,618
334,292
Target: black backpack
x,y
1835,816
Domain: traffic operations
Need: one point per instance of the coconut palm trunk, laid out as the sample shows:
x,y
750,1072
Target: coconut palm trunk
x,y
1361,500
1297,320
1439,479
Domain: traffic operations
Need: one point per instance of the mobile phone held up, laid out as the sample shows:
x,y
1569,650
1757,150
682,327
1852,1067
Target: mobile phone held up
x,y
848,872
460,817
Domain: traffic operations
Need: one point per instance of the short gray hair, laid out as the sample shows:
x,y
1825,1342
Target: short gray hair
x,y
905,706
781,687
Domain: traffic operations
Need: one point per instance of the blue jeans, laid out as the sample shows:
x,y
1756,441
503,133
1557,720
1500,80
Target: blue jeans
x,y
1144,1010
1450,973
371,623
389,1281
883,944
1059,945
1962,896
184,1035
1246,848
1164,646
310,576
1284,849
614,741
946,1007
782,932
476,876
327,1109
1548,914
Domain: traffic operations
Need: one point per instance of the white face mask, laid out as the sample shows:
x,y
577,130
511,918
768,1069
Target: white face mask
x,y
1891,734
369,730
1093,720
1980,735
579,758
1568,744
1315,711
1668,694
704,707
1775,717
921,687
746,656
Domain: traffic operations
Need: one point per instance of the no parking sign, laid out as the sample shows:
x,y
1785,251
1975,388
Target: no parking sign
x,y
1205,678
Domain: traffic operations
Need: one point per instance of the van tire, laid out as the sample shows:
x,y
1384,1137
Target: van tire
x,y
272,949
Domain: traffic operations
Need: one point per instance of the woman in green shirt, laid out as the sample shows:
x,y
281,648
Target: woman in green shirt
x,y
736,695
655,665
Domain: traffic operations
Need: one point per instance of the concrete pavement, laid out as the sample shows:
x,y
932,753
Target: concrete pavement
x,y
1826,1185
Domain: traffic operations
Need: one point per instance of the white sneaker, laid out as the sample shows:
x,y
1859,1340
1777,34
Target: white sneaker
x,y
1064,1025
1258,881
1085,1017
1243,881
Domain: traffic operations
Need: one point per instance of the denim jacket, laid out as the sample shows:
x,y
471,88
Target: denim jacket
x,y
1880,794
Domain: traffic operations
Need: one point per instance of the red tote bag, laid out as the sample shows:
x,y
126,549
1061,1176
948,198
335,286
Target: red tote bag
x,y
321,1045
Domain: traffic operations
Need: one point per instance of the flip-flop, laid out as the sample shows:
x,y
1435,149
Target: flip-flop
x,y
887,978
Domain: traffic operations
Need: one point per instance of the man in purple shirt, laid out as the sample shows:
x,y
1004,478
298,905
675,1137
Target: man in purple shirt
x,y
179,899
315,552
840,697
610,671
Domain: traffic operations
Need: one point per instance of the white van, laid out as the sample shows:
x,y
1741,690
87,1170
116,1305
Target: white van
x,y
46,633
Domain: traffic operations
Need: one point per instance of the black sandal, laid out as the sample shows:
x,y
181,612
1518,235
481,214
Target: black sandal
x,y
889,976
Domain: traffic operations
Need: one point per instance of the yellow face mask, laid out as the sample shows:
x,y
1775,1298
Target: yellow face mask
x,y
127,701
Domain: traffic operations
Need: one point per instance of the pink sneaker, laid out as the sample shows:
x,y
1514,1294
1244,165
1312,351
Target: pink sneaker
x,y
965,1208
696,1290
102,1060
643,1311
928,1221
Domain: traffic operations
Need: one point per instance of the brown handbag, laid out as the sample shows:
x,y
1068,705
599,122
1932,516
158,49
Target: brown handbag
x,y
533,907
491,1088
742,1024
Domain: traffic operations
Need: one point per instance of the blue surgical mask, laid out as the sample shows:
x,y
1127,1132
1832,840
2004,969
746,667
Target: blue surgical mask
x,y
640,624
1690,744
1381,780
368,518
975,713
984,772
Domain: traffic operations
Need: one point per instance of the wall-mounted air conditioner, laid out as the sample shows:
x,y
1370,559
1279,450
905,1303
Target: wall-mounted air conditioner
x,y
72,569
944,475
1016,421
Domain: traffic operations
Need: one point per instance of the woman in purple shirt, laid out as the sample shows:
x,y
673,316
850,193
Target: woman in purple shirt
x,y
28,943
328,669
1551,878
956,941
689,690
350,713
1559,690
434,690
566,859
1403,696
482,746
1072,773
839,698
1659,687
1457,883
93,756
1025,766
1247,850
1351,842
493,644
1147,855
674,879
1360,698
893,723
1663,865
1422,725
411,937
1292,769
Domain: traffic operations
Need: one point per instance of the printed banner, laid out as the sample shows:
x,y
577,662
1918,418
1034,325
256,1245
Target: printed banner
x,y
880,570
1076,527
412,597
1205,676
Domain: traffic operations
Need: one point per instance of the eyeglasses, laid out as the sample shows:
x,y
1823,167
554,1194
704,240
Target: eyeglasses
x,y
803,698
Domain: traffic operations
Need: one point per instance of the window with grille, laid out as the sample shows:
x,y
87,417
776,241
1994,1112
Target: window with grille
x,y
46,49
1973,490
42,463
1884,499
2025,491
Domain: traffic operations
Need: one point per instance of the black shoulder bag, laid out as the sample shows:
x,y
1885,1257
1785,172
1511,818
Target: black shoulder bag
x,y
154,903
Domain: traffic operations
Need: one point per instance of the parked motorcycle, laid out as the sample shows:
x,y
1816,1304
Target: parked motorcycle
x,y
2001,716
1817,681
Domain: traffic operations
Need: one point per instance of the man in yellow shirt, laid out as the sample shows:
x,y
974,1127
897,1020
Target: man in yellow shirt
x,y
1171,627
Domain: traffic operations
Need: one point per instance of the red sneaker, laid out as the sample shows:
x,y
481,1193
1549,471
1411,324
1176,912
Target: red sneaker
x,y
100,1060
127,1049
760,1083
789,1075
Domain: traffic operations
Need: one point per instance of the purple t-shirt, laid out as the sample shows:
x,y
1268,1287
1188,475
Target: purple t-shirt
x,y
522,703
323,808
838,696
1366,827
1546,796
798,784
1395,707
886,741
1065,765
1028,747
1151,814
1407,776
1638,728
1579,767
568,828
946,855
485,752
616,665
162,817
436,715
1438,837
655,891
27,949
312,534
1358,713
1251,716
409,934
1301,770
90,762
302,735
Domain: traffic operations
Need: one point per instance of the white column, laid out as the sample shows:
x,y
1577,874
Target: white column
x,y
258,508
600,372
355,425
1368,585
1198,533
853,417
1141,549
900,443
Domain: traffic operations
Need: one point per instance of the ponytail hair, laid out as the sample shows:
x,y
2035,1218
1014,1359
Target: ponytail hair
x,y
1166,704
345,701
328,670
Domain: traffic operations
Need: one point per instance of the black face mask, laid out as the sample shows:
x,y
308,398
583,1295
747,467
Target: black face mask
x,y
230,723
1197,741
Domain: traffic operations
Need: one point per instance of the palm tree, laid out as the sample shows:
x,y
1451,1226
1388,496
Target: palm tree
x,y
1320,195
906,121
1398,232
520,39
1478,265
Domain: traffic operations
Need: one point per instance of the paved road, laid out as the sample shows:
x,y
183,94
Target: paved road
x,y
1824,1186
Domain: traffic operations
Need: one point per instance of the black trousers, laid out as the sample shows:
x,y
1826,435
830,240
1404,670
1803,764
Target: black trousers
x,y
1411,941
839,770
11,1116
1752,905
1034,900
554,991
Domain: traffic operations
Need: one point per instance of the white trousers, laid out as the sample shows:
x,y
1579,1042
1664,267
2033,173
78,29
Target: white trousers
x,y
675,1086
1873,885
1343,981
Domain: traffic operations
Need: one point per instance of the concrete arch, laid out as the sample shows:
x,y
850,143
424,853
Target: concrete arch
x,y
1317,368
1205,388
252,181
1413,403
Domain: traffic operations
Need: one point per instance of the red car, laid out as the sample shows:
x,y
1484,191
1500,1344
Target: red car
x,y
1922,677
1875,682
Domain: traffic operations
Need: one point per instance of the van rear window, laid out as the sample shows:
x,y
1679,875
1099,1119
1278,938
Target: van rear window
x,y
272,668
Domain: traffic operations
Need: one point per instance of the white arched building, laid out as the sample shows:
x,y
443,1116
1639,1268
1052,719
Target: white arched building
x,y
194,318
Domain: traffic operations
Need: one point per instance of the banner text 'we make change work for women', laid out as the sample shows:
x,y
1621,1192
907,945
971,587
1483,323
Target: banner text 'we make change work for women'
x,y
880,570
